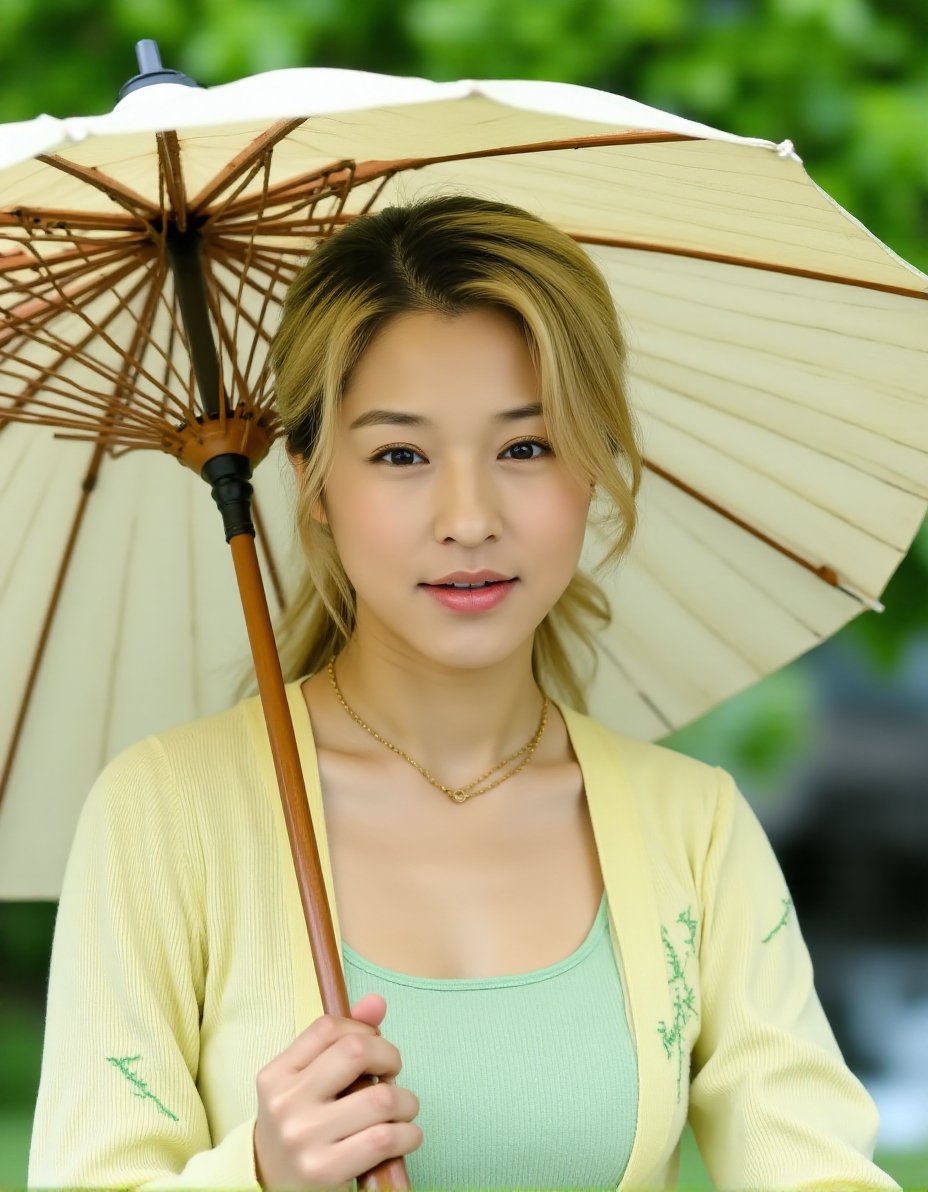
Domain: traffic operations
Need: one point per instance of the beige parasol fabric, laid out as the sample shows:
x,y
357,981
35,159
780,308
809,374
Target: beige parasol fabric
x,y
777,361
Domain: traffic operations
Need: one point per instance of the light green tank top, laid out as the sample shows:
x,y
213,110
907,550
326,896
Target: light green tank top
x,y
526,1081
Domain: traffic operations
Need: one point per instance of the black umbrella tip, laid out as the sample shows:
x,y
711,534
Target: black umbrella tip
x,y
151,71
148,56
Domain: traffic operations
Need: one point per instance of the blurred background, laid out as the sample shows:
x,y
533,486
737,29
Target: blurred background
x,y
832,751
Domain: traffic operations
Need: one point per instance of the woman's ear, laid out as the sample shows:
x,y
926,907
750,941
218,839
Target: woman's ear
x,y
319,513
299,470
296,462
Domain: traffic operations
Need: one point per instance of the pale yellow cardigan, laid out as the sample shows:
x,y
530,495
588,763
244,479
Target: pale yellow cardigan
x,y
181,965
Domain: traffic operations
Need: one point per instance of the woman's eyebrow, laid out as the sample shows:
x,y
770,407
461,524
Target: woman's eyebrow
x,y
397,418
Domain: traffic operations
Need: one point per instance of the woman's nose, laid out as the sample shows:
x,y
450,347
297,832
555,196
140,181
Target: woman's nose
x,y
466,505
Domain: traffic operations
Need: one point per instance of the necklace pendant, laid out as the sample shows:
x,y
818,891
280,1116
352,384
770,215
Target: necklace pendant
x,y
459,795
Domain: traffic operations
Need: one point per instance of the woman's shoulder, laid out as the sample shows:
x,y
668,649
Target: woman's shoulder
x,y
202,790
643,759
227,730
218,751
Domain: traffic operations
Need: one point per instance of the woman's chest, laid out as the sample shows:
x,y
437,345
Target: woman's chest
x,y
445,890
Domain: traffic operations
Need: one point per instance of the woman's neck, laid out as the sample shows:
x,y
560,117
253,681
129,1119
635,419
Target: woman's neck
x,y
456,722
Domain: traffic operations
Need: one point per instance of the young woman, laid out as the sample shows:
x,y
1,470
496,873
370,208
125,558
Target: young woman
x,y
573,941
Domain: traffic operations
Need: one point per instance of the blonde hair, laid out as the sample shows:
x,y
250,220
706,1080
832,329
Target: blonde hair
x,y
448,255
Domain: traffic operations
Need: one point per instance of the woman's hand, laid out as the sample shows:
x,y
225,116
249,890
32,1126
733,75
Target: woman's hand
x,y
306,1136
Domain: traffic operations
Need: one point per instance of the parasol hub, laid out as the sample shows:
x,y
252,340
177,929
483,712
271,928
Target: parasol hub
x,y
241,431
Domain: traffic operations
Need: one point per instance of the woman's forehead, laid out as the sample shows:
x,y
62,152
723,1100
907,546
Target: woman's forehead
x,y
422,363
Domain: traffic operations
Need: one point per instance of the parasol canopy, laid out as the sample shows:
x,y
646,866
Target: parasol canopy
x,y
777,356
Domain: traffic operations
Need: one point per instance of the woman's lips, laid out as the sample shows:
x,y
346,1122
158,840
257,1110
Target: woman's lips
x,y
475,600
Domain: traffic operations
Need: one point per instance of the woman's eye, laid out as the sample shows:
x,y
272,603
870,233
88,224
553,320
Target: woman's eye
x,y
542,443
382,455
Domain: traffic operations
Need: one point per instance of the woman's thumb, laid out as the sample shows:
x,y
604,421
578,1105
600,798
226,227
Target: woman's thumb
x,y
371,1008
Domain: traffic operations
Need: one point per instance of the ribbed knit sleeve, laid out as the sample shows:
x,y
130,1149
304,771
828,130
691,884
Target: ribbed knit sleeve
x,y
118,1101
772,1103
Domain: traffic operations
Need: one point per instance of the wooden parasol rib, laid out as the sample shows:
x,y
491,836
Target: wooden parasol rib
x,y
61,221
136,204
243,162
173,176
748,263
24,261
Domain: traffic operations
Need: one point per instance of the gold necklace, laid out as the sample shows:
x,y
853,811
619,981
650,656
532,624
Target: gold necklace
x,y
461,793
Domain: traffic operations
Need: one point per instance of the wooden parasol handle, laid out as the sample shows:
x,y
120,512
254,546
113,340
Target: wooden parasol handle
x,y
222,446
391,1173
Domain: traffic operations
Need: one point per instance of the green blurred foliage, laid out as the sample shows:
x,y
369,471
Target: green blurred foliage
x,y
25,934
756,735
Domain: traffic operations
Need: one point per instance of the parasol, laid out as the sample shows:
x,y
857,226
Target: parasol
x,y
776,347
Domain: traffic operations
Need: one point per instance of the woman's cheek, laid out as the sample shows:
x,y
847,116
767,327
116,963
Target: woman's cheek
x,y
380,532
563,516
384,522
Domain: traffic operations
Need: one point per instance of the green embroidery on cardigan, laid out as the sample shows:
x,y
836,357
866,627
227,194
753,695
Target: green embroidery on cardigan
x,y
787,907
683,994
141,1088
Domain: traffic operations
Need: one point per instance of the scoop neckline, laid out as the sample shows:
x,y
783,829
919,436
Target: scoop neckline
x,y
509,979
302,723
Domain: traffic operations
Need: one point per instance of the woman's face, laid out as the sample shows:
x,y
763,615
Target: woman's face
x,y
436,471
